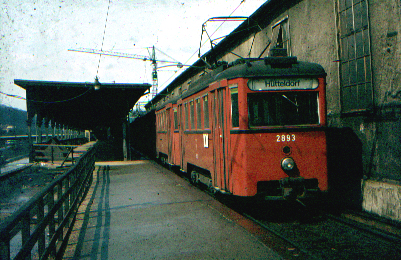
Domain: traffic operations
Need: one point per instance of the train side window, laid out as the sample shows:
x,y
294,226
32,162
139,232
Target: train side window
x,y
175,119
186,115
198,114
205,113
160,121
234,107
192,115
163,121
157,122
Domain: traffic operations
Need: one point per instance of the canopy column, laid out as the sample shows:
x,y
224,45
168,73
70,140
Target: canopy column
x,y
47,121
39,121
125,139
54,125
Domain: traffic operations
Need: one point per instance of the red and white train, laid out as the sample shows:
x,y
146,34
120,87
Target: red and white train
x,y
254,128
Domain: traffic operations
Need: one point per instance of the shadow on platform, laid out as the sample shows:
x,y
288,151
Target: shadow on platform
x,y
92,226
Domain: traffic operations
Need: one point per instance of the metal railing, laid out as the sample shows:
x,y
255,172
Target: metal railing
x,y
53,152
40,228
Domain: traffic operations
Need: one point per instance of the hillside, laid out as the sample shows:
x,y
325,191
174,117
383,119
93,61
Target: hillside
x,y
14,119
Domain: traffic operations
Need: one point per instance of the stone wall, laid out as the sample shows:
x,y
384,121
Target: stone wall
x,y
382,198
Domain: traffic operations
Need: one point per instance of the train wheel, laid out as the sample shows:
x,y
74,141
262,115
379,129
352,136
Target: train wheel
x,y
212,190
163,160
194,177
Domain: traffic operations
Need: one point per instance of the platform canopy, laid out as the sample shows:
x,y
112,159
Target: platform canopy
x,y
81,105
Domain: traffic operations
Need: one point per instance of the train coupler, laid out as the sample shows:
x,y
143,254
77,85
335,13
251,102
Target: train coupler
x,y
292,187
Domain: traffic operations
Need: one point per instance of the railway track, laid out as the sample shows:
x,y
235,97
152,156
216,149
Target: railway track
x,y
304,234
335,237
25,183
297,233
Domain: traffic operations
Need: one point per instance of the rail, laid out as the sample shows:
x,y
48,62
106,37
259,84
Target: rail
x,y
41,227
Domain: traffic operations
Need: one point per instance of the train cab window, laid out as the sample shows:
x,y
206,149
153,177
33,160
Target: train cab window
x,y
234,107
175,119
205,113
198,114
283,108
186,116
192,110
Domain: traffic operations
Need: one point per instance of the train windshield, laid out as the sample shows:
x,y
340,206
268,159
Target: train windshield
x,y
284,108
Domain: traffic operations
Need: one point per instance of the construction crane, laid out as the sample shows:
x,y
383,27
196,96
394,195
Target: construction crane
x,y
151,58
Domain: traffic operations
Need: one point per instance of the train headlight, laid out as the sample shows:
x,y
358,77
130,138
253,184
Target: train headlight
x,y
287,164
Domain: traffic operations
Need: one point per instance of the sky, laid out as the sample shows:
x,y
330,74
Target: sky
x,y
35,37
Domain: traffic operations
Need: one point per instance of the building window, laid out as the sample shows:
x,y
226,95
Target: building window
x,y
205,113
355,56
198,114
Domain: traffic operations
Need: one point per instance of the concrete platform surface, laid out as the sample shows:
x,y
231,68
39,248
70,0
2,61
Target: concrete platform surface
x,y
143,211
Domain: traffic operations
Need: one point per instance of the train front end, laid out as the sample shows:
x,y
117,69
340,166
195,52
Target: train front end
x,y
278,141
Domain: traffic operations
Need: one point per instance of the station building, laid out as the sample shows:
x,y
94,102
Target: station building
x,y
358,44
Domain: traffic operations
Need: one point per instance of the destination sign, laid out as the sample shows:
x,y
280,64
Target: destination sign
x,y
283,83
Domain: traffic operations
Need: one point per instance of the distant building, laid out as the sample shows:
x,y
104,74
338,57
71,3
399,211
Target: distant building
x,y
7,129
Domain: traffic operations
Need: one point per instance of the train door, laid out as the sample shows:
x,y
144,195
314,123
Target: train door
x,y
219,141
176,136
181,134
169,135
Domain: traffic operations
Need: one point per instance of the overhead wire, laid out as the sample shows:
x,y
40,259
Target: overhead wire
x,y
104,33
205,42
13,96
100,55
66,100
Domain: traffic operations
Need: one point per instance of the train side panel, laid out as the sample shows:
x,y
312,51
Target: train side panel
x,y
196,148
162,139
196,153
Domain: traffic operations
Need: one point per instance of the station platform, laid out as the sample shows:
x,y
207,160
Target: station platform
x,y
140,210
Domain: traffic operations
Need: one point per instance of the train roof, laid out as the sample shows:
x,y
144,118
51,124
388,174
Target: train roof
x,y
251,68
266,67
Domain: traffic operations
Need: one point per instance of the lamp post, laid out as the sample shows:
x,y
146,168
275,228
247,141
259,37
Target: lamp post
x,y
96,85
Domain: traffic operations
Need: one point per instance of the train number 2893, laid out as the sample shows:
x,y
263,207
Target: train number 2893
x,y
285,138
